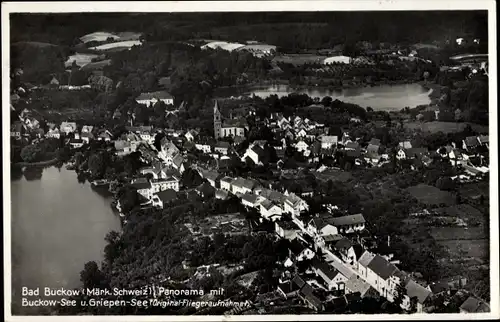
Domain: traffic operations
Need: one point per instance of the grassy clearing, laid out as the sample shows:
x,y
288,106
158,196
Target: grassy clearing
x,y
80,59
431,195
299,59
467,249
445,127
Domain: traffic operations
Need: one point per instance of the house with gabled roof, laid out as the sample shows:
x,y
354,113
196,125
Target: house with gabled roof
x,y
299,252
162,198
356,284
191,135
379,273
68,127
270,211
152,98
225,183
350,223
295,205
241,185
484,140
286,229
417,291
470,143
329,141
474,305
321,226
104,135
333,279
251,200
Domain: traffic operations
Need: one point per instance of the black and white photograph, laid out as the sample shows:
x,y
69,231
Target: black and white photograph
x,y
250,160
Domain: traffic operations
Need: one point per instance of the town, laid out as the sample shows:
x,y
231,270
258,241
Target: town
x,y
297,204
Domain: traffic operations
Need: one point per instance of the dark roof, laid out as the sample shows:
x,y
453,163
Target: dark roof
x,y
296,247
329,271
471,141
298,281
141,185
348,220
167,195
382,267
205,188
474,305
416,151
158,95
413,289
222,144
343,244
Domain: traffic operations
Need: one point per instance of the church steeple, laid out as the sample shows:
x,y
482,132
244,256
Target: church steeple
x,y
217,121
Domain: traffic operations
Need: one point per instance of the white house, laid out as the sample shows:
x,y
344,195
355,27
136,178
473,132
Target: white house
x,y
191,135
242,185
382,275
252,201
333,279
286,229
153,97
363,262
255,153
295,205
163,184
270,211
302,146
225,183
204,147
53,133
68,127
329,141
349,224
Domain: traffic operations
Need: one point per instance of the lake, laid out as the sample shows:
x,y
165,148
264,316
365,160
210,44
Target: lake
x,y
57,225
380,98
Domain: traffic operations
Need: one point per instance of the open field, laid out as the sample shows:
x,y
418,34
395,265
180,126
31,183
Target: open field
x,y
119,44
97,65
457,233
299,59
467,249
445,127
431,195
34,44
80,59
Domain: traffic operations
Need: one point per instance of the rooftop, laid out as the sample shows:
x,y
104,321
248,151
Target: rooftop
x,y
348,220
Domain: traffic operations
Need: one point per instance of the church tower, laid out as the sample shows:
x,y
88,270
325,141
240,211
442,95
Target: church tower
x,y
217,121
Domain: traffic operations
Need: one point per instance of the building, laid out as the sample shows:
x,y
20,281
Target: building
x,y
252,201
162,198
241,186
143,187
333,279
286,229
225,128
298,252
222,147
162,184
152,98
470,143
415,290
356,284
295,205
68,127
270,211
329,141
225,183
474,305
349,224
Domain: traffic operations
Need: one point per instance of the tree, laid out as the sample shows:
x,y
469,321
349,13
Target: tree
x,y
31,153
97,165
91,276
